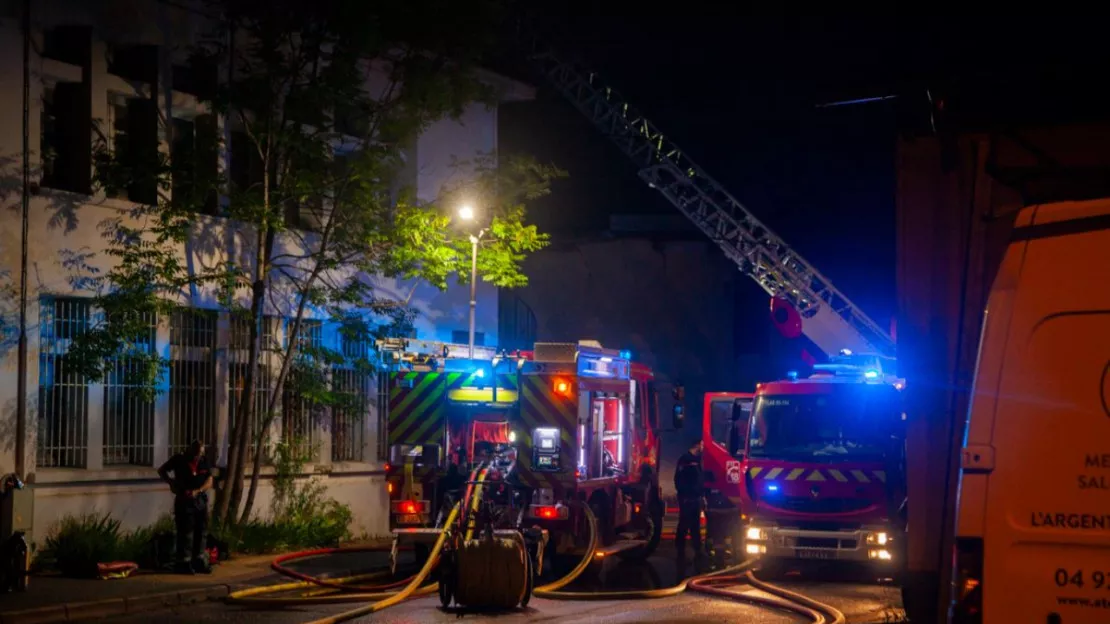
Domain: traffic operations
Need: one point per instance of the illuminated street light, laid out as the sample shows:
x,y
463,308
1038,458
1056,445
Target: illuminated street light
x,y
466,213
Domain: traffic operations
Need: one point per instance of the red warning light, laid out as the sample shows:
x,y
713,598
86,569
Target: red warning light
x,y
562,387
547,513
410,507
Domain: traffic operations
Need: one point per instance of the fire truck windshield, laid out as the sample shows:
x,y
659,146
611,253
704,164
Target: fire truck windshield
x,y
853,422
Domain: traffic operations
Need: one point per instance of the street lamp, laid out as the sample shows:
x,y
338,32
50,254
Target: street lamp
x,y
466,213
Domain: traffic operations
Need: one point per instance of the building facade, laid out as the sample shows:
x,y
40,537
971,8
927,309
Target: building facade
x,y
94,447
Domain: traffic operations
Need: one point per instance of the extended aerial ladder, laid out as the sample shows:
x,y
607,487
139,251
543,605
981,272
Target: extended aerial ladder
x,y
829,319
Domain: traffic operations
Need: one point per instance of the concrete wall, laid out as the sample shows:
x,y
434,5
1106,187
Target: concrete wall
x,y
672,303
65,240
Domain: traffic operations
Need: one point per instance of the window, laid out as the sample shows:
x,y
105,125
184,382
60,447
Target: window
x,y
728,421
239,358
63,423
383,415
128,416
298,413
463,337
133,128
196,163
64,140
352,384
246,164
192,394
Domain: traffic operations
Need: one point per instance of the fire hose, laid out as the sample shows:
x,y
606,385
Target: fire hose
x,y
341,590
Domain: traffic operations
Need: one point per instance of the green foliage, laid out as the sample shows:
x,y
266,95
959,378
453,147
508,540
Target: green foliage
x,y
77,543
320,203
301,514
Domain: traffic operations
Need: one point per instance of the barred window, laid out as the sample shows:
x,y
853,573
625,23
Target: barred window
x,y
63,423
128,415
238,361
192,379
348,417
383,415
297,412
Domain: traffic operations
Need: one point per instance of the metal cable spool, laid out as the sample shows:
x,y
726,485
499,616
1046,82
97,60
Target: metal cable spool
x,y
493,572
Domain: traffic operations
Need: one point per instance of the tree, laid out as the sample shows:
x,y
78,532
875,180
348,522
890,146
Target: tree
x,y
319,209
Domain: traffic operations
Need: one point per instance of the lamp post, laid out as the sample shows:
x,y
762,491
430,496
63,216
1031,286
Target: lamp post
x,y
466,213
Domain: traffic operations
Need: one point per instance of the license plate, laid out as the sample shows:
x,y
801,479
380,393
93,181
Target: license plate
x,y
409,519
814,553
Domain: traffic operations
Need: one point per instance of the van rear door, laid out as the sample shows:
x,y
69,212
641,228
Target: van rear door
x,y
1039,436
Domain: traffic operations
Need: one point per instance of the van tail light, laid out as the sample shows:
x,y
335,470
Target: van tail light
x,y
967,581
549,512
408,507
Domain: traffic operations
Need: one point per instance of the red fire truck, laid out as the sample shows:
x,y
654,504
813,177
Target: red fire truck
x,y
590,422
804,303
810,468
563,423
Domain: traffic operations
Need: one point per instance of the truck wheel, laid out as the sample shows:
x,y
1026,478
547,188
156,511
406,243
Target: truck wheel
x,y
653,533
447,572
529,577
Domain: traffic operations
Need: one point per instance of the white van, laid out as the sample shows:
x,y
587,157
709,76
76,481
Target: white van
x,y
1033,531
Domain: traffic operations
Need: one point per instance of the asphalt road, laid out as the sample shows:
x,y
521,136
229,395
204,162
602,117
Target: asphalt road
x,y
861,598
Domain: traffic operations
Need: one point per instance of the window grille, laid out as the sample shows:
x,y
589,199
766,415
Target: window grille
x,y
128,416
63,423
383,415
348,418
192,379
297,412
239,358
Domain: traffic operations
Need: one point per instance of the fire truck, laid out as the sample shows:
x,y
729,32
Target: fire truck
x,y
562,424
441,407
749,476
811,467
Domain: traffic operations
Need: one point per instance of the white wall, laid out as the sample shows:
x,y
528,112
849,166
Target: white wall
x,y
63,225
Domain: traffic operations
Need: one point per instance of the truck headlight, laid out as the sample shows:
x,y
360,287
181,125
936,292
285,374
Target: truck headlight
x,y
880,554
880,538
755,533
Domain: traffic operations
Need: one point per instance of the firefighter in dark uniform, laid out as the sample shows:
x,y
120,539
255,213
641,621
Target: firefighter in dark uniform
x,y
191,480
688,484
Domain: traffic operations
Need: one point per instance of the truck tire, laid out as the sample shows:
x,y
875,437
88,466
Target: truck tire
x,y
654,535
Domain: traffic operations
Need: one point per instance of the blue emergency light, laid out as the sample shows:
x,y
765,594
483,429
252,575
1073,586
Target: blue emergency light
x,y
792,375
626,355
772,488
871,374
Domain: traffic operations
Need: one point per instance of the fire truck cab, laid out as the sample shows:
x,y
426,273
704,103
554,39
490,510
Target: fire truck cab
x,y
822,465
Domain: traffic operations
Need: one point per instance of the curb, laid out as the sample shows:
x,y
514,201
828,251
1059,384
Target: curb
x,y
78,611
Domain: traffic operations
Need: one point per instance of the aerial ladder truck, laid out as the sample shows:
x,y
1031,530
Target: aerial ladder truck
x,y
809,467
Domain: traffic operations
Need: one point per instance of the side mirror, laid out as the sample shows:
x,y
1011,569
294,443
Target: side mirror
x,y
678,417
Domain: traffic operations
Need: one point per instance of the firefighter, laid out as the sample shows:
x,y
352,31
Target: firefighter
x,y
190,483
688,484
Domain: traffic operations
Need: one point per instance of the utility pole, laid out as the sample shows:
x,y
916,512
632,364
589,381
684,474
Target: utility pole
x,y
21,384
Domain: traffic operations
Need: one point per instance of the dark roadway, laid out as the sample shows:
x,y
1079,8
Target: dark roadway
x,y
861,599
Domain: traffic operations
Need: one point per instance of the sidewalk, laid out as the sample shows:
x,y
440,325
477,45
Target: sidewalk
x,y
59,599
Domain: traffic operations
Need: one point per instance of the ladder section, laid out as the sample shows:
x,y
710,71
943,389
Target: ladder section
x,y
830,319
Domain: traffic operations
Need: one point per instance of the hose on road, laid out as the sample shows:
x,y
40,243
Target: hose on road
x,y
721,583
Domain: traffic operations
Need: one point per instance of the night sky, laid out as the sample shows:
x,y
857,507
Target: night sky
x,y
740,94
